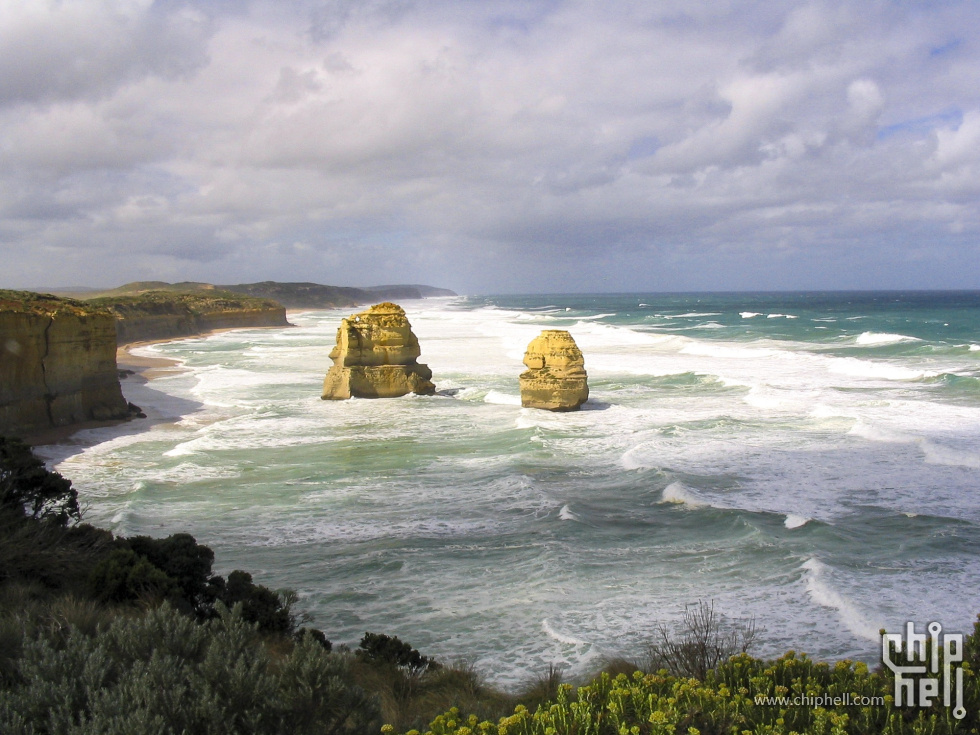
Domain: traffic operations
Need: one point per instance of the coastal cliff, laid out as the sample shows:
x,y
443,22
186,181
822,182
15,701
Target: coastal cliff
x,y
168,314
57,364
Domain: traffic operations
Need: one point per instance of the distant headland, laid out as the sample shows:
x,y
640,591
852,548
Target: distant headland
x,y
291,295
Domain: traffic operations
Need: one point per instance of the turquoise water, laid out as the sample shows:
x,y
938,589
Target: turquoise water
x,y
812,460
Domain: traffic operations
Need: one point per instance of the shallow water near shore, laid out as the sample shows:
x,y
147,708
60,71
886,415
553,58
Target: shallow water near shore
x,y
811,460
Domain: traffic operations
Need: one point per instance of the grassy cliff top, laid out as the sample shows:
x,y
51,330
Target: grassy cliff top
x,y
304,295
149,303
45,304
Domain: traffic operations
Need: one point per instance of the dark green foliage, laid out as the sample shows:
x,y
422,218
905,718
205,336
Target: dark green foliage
x,y
57,557
28,488
178,569
185,561
971,645
381,648
317,635
260,605
125,575
164,673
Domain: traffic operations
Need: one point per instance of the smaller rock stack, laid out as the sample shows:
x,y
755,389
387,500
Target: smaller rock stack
x,y
555,379
375,357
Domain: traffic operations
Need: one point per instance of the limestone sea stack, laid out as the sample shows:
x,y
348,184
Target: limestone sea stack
x,y
375,357
555,378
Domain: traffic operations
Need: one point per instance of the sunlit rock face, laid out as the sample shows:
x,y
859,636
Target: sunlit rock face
x,y
57,364
375,357
555,379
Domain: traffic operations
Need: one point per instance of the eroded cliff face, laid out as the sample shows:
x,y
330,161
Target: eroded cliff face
x,y
376,357
555,378
166,315
57,364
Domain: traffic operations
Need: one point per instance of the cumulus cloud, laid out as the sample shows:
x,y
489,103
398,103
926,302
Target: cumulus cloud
x,y
608,146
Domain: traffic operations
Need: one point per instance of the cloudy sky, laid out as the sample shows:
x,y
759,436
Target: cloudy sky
x,y
491,145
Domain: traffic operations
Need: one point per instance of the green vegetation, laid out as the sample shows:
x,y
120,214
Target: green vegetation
x,y
43,304
167,302
167,314
291,295
101,635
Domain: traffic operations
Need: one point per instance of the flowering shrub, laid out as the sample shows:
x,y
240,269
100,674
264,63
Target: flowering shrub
x,y
792,694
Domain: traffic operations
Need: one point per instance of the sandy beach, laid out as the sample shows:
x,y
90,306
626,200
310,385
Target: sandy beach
x,y
147,368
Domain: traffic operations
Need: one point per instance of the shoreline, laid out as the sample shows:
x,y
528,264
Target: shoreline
x,y
129,366
151,368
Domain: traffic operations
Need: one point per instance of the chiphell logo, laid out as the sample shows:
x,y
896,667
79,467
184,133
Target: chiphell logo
x,y
915,661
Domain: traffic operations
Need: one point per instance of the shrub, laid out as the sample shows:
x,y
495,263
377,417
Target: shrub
x,y
164,673
380,648
271,611
314,634
124,575
183,560
28,488
705,640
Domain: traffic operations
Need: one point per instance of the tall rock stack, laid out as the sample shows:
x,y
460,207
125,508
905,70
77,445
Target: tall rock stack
x,y
375,357
555,378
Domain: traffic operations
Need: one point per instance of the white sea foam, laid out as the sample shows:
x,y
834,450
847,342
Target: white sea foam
x,y
882,338
823,411
693,314
974,348
795,521
767,398
936,454
503,399
823,593
881,370
563,638
749,314
679,493
713,349
598,335
566,514
932,452
781,316
880,434
630,459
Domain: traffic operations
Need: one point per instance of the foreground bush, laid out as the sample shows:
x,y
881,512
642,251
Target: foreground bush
x,y
165,673
727,701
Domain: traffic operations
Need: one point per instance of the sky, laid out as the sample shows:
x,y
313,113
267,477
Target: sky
x,y
491,146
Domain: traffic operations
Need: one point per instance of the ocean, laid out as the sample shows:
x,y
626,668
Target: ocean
x,y
808,460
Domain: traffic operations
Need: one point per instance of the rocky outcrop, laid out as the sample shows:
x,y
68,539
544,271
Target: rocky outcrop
x,y
555,378
376,357
57,364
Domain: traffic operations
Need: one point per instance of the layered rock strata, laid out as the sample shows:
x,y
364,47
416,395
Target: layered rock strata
x,y
376,357
57,364
555,379
156,315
